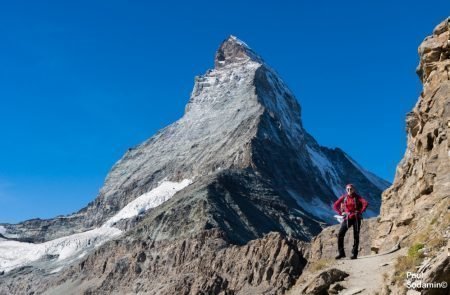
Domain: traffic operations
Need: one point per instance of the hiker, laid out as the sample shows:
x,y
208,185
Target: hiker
x,y
350,206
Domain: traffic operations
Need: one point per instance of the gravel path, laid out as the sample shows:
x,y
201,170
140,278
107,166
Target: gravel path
x,y
366,272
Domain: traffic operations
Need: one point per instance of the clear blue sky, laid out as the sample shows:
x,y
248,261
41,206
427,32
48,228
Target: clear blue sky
x,y
81,82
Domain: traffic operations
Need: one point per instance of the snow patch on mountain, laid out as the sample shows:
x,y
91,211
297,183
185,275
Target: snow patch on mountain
x,y
64,250
15,254
327,170
149,200
2,230
280,108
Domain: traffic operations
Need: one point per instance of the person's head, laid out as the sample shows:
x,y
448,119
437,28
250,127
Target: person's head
x,y
350,189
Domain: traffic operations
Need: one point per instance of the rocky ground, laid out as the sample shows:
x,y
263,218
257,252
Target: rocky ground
x,y
365,275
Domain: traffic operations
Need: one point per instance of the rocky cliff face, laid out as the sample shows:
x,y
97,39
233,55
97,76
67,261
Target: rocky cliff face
x,y
238,164
417,202
415,210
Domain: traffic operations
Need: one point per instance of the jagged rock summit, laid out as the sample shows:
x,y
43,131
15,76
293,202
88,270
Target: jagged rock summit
x,y
234,51
236,166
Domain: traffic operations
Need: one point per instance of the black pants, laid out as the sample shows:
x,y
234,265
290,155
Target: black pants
x,y
346,224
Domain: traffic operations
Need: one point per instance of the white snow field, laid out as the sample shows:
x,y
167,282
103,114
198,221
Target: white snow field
x,y
327,170
151,199
15,254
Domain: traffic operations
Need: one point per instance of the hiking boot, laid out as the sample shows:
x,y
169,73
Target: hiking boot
x,y
339,256
354,256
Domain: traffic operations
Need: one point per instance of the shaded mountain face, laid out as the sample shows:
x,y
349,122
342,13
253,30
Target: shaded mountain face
x,y
417,202
239,161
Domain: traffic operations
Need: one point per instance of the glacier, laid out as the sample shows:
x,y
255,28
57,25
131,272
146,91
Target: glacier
x,y
64,250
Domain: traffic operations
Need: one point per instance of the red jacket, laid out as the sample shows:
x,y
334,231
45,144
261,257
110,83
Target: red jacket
x,y
350,207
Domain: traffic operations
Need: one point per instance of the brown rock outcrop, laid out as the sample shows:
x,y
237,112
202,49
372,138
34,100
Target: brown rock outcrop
x,y
320,284
417,202
437,270
203,264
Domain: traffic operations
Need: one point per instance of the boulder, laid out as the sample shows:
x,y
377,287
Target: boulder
x,y
320,284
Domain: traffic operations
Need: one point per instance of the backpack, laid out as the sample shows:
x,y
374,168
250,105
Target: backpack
x,y
358,204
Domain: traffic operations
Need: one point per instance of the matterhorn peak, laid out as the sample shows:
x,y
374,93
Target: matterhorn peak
x,y
234,51
235,167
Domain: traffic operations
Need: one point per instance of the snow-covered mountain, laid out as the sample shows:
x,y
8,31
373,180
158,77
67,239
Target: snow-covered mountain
x,y
238,161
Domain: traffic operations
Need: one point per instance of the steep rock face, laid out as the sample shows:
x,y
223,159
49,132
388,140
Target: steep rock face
x,y
240,203
41,230
205,265
418,200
